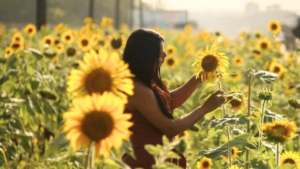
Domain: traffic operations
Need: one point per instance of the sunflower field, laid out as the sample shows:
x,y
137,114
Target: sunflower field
x,y
63,92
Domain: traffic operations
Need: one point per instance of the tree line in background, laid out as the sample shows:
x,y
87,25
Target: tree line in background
x,y
72,12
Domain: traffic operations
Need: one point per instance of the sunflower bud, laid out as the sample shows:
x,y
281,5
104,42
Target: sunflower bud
x,y
265,95
294,103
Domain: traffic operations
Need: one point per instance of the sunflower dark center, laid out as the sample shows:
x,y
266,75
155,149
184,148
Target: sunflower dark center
x,y
209,63
116,43
97,125
289,160
68,37
170,62
205,164
101,42
256,52
274,26
264,45
276,69
280,129
30,30
218,33
16,46
71,51
170,50
238,61
84,42
98,81
17,38
56,42
235,103
257,35
48,41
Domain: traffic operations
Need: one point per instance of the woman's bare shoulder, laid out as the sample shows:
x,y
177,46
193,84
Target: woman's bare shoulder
x,y
140,93
140,89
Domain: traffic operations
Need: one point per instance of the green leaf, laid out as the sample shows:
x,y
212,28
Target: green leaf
x,y
57,144
165,140
241,140
36,53
128,148
34,85
36,104
110,162
265,76
221,122
153,150
269,115
172,154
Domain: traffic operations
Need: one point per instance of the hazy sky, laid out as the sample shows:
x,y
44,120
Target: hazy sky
x,y
225,5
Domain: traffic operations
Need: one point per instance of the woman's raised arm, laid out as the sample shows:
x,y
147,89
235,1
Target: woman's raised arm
x,y
181,94
145,102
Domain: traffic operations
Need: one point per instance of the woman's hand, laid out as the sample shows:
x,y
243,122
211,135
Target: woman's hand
x,y
214,101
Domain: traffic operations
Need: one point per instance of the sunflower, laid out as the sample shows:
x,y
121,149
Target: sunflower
x,y
48,39
70,51
290,89
116,43
95,39
234,152
99,119
188,28
60,48
280,131
257,34
257,54
30,29
68,37
274,27
100,73
210,62
237,61
189,47
8,51
277,68
170,49
106,22
17,46
237,102
171,62
17,38
236,76
88,20
290,157
84,43
264,44
205,163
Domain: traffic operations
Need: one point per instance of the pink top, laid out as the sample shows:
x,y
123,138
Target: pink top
x,y
143,132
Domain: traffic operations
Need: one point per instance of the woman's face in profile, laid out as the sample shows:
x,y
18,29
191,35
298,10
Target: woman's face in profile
x,y
162,54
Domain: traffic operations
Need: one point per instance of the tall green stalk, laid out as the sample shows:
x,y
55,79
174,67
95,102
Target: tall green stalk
x,y
277,154
261,122
249,113
228,131
90,157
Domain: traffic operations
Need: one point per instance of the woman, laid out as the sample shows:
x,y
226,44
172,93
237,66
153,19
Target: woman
x,y
152,104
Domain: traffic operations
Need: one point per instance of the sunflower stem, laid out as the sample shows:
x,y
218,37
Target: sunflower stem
x,y
249,113
228,132
277,154
229,148
261,122
90,156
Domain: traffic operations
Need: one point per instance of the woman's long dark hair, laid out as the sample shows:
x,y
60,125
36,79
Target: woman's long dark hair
x,y
142,54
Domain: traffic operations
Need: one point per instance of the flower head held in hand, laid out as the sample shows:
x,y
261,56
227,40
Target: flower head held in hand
x,y
211,63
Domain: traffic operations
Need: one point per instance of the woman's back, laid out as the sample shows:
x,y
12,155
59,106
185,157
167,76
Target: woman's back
x,y
143,132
